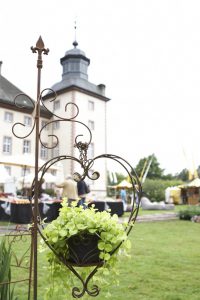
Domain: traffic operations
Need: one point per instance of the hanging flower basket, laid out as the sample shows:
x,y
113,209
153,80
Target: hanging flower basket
x,y
83,250
84,237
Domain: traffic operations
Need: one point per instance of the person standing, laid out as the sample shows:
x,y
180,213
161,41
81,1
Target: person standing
x,y
69,191
83,190
124,198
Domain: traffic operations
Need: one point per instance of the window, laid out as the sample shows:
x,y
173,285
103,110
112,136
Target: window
x,y
91,151
8,169
56,151
56,125
44,123
27,121
8,117
91,105
56,105
44,151
7,145
25,171
54,172
26,146
91,124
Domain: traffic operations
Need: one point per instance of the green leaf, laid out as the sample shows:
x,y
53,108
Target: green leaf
x,y
54,239
63,233
101,245
108,247
92,230
106,256
127,244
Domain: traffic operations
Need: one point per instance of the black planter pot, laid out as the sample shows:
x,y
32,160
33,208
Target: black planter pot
x,y
83,250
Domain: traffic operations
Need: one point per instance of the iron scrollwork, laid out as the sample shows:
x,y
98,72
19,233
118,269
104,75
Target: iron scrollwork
x,y
85,163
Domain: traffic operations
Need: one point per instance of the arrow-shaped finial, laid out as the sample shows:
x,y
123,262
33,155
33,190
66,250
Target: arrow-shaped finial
x,y
40,48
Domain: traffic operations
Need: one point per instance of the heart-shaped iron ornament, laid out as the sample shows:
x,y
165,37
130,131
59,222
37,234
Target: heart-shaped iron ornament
x,y
81,249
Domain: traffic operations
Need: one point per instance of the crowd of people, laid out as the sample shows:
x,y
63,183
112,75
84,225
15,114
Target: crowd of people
x,y
74,191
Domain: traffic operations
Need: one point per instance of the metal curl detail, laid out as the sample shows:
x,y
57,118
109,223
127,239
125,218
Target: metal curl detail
x,y
59,118
66,105
95,175
71,103
135,182
21,106
77,293
24,136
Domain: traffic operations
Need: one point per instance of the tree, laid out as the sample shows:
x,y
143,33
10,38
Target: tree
x,y
183,175
154,171
118,176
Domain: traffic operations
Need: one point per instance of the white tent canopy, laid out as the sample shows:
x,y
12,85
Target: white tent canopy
x,y
194,183
28,179
25,160
124,184
4,176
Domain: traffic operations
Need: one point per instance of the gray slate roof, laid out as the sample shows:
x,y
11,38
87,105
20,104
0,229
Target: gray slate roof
x,y
79,83
9,91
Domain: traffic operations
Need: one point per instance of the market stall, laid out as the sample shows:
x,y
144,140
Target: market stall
x,y
192,190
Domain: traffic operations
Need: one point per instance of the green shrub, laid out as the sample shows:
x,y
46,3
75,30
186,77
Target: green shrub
x,y
6,293
154,189
189,212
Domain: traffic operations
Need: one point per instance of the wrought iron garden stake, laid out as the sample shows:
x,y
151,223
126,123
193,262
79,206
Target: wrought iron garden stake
x,y
87,170
40,48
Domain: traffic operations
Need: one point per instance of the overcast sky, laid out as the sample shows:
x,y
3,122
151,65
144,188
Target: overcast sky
x,y
146,52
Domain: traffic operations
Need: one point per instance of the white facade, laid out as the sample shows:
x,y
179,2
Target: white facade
x,y
91,102
92,112
12,146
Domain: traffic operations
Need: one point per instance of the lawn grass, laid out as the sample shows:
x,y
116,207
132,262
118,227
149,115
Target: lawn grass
x,y
164,265
143,212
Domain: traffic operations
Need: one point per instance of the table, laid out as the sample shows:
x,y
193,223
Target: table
x,y
21,210
20,213
99,205
116,207
53,211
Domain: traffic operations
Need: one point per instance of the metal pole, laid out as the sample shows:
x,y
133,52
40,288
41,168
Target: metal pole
x,y
38,49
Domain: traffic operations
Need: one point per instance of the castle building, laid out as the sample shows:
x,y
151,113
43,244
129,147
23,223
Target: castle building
x,y
75,95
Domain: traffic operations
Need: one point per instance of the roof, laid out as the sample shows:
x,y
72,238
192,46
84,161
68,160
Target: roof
x,y
8,93
194,183
79,84
75,77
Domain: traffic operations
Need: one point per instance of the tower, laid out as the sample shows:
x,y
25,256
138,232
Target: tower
x,y
75,88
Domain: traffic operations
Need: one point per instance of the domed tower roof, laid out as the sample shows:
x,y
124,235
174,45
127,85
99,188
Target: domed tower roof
x,y
74,75
75,50
75,63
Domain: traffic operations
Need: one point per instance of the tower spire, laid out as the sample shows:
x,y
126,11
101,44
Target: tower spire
x,y
75,43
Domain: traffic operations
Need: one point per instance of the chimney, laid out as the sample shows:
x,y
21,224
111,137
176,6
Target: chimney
x,y
102,88
0,66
